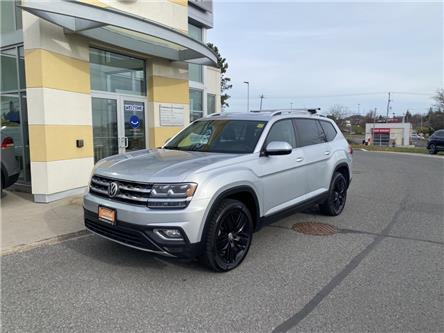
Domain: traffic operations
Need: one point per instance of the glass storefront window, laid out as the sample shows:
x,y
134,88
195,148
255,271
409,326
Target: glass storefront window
x,y
11,16
195,72
13,107
21,67
9,80
11,125
117,73
211,103
196,104
18,16
195,32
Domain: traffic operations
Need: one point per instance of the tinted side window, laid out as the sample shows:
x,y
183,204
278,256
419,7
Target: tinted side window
x,y
309,132
329,130
282,130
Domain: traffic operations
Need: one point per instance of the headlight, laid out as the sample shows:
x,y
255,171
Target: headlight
x,y
171,196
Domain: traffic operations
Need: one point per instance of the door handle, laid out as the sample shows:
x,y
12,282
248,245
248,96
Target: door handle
x,y
126,141
299,159
327,153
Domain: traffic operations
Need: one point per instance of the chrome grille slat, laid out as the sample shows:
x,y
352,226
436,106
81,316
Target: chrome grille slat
x,y
131,197
99,182
131,192
135,189
96,189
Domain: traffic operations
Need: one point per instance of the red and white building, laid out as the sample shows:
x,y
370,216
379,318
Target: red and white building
x,y
389,134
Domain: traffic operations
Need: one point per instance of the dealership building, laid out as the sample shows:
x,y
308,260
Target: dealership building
x,y
394,132
83,80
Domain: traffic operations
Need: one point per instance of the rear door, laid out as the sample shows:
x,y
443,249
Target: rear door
x,y
317,152
283,176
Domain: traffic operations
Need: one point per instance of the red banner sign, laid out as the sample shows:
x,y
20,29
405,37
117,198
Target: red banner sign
x,y
381,130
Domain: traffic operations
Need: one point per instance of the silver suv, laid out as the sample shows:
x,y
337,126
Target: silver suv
x,y
206,191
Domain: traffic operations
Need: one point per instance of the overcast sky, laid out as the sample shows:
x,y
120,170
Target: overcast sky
x,y
310,54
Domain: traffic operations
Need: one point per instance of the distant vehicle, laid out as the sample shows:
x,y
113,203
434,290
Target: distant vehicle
x,y
10,165
435,143
416,137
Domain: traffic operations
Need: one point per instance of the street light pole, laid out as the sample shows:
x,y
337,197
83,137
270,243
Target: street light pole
x,y
248,95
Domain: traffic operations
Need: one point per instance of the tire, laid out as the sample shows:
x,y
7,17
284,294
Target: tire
x,y
432,149
337,196
228,236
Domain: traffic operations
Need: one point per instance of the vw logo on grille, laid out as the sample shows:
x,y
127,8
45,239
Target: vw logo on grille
x,y
113,189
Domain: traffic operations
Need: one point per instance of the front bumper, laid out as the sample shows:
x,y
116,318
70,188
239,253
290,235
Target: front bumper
x,y
141,237
139,221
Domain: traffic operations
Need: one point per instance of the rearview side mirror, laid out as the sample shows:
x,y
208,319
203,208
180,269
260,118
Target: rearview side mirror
x,y
278,148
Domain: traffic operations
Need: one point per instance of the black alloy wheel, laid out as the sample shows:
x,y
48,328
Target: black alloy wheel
x,y
432,149
335,203
228,236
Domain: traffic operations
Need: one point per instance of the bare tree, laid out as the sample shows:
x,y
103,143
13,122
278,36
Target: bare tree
x,y
338,113
439,98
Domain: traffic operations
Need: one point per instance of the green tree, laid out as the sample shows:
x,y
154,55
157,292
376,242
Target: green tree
x,y
225,82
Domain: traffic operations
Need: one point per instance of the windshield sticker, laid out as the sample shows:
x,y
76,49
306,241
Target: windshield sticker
x,y
260,125
195,138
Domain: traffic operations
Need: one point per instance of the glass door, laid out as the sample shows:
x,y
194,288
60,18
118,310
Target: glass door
x,y
105,127
118,124
134,123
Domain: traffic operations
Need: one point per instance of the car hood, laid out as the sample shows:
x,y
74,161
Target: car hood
x,y
157,165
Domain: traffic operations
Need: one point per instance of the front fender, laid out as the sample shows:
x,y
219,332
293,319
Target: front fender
x,y
224,183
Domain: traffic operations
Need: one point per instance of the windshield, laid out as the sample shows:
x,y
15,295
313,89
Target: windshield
x,y
219,136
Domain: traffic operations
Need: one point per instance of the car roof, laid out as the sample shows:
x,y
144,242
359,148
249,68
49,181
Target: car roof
x,y
265,115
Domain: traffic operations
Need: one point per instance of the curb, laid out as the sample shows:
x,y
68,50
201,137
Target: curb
x,y
48,241
403,153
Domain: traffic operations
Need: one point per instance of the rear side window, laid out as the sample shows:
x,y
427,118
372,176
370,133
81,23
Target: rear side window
x,y
309,132
282,130
329,130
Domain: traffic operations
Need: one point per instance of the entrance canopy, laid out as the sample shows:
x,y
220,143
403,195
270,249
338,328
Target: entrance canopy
x,y
121,29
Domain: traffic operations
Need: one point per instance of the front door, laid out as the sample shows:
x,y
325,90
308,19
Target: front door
x,y
118,124
284,176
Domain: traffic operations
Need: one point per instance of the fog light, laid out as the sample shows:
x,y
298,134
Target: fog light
x,y
173,234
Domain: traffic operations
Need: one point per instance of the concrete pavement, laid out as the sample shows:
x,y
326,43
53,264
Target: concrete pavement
x,y
26,224
383,271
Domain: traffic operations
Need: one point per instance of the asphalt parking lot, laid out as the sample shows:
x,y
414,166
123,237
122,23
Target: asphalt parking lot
x,y
382,272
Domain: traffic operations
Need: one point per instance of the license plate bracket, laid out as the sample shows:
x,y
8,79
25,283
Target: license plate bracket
x,y
107,215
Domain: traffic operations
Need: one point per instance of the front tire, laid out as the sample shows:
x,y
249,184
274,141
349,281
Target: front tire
x,y
432,149
337,196
228,236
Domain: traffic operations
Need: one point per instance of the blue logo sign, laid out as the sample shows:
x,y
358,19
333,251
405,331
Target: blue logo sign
x,y
134,121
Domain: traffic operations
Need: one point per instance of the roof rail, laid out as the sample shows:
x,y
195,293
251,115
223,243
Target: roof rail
x,y
215,114
278,112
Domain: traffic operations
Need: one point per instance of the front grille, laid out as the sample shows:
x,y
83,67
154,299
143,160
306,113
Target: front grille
x,y
124,235
130,192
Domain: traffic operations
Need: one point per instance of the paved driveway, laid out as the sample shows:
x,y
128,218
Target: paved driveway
x,y
382,272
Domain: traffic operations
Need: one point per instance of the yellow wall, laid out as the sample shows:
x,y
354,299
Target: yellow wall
x,y
167,85
53,70
58,142
168,90
159,135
